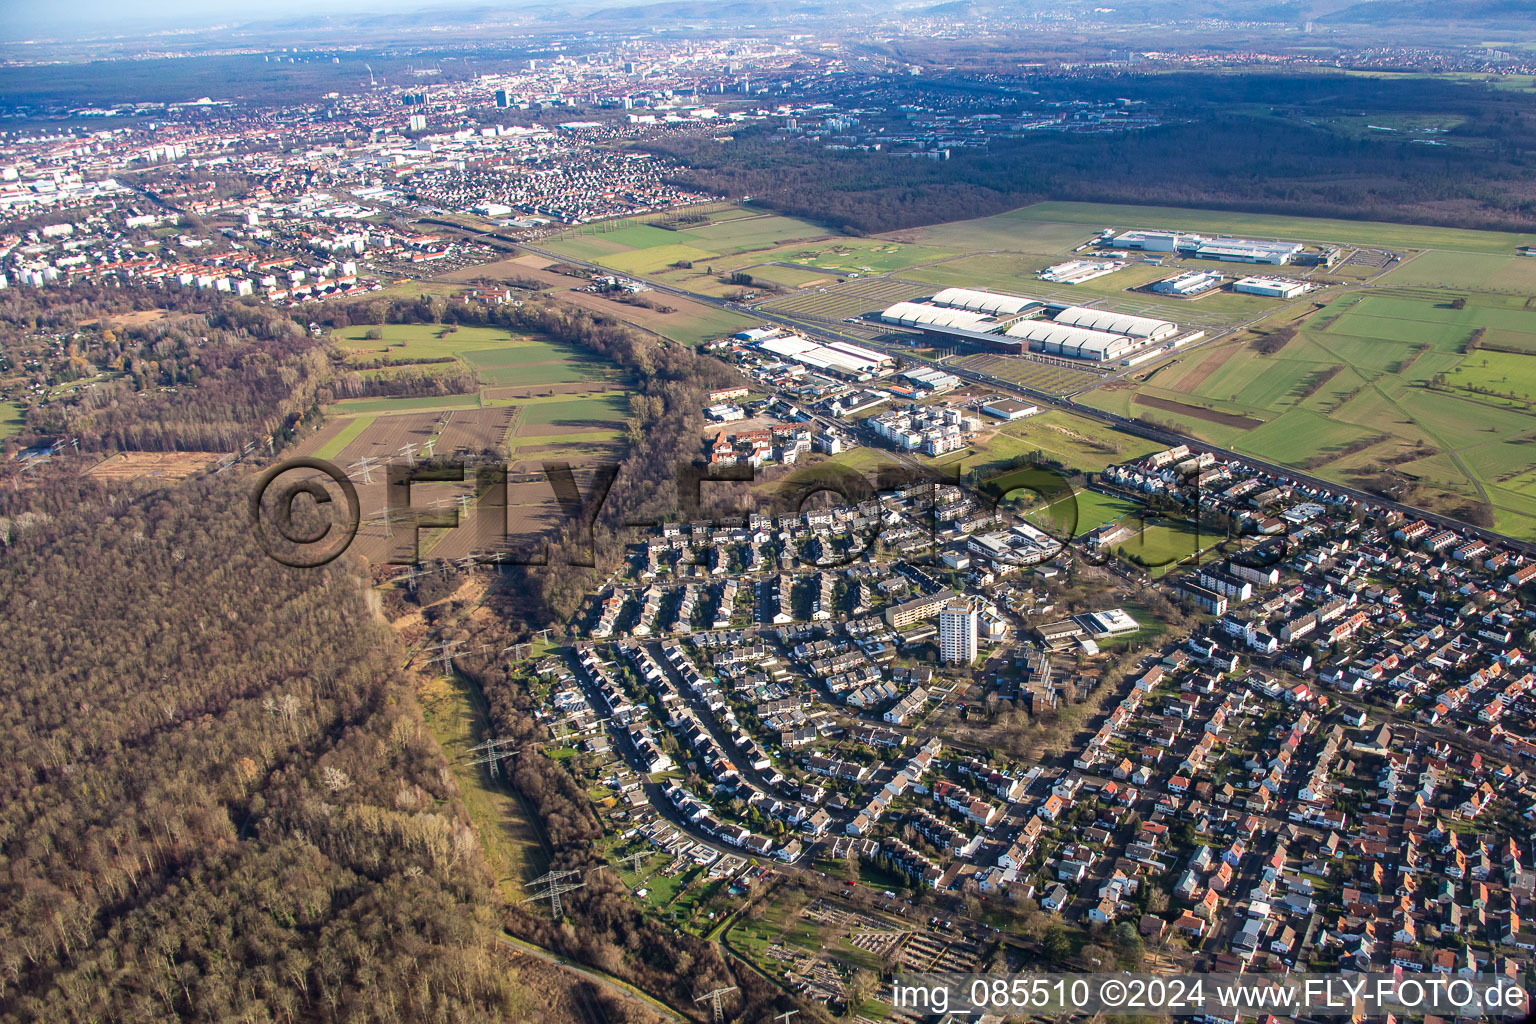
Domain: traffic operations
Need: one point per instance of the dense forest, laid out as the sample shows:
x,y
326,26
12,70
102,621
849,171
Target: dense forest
x,y
218,801
1251,143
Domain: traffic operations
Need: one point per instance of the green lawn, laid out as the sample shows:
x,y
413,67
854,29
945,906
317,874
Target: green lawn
x,y
1301,229
338,444
12,418
851,255
1079,443
604,409
456,716
539,363
1084,511
1160,545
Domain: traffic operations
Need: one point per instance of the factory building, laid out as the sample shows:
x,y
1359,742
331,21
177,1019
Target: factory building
x,y
839,358
920,314
936,381
1240,250
991,303
1055,339
1116,323
1150,241
1078,271
1234,250
1006,323
1192,282
1274,287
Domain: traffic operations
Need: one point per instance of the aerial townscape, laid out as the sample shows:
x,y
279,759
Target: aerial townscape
x,y
670,513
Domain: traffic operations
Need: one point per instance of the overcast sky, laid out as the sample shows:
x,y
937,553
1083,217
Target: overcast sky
x,y
96,18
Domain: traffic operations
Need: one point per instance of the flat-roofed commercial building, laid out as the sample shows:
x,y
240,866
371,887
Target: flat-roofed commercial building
x,y
1224,247
1274,287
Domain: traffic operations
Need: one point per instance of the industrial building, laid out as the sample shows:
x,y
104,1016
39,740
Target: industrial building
x,y
936,381
838,357
921,314
1009,409
1078,271
992,303
1178,243
1191,282
1013,323
1116,323
1274,287
1054,339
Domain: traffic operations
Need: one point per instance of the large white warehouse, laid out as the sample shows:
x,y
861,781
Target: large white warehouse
x,y
1006,322
985,302
822,357
1056,339
919,314
1116,323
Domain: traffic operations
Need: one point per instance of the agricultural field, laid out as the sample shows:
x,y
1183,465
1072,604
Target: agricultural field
x,y
788,276
539,401
639,245
852,298
1483,272
682,320
1377,389
153,465
1082,512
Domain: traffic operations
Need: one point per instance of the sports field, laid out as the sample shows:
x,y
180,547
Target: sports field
x,y
1084,511
1160,546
